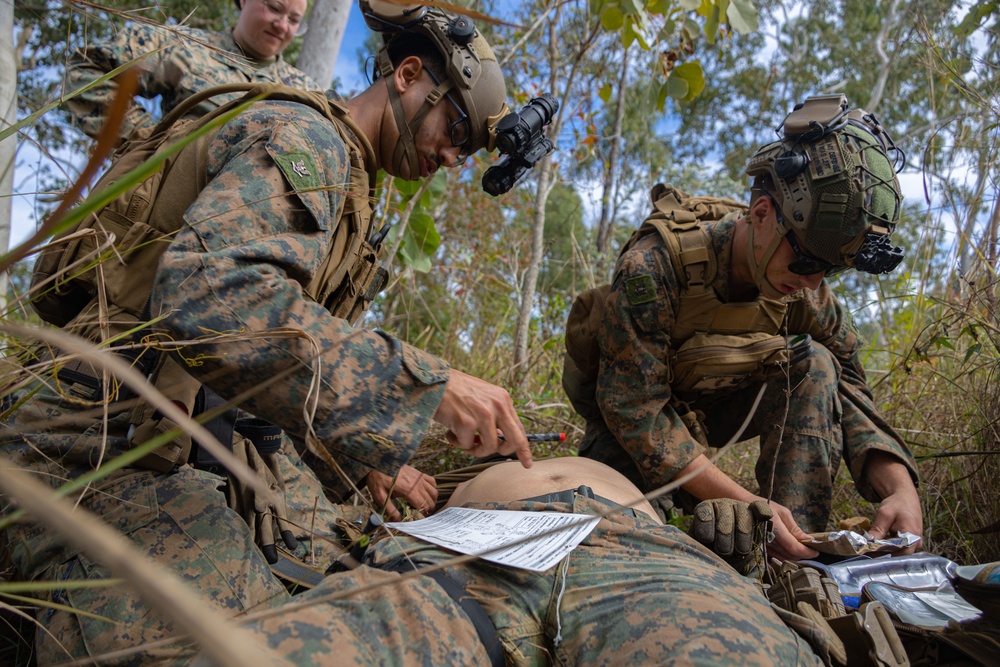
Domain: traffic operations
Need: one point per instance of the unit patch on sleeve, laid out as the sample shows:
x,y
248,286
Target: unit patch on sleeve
x,y
299,168
640,289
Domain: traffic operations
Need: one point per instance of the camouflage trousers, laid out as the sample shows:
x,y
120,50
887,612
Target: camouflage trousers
x,y
801,439
179,520
634,592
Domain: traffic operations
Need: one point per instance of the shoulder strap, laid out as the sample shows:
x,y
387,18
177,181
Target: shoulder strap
x,y
274,91
676,220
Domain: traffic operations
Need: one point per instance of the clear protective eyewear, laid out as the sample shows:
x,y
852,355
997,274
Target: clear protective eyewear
x,y
460,130
276,11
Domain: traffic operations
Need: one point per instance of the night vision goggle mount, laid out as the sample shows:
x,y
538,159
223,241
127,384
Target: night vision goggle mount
x,y
520,137
789,159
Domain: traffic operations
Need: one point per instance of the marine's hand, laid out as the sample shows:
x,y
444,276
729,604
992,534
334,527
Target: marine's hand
x,y
413,486
899,513
787,535
264,514
899,510
727,526
473,407
732,529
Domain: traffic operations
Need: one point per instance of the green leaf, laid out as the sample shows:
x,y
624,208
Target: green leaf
x,y
706,7
420,242
973,350
742,16
628,34
661,95
677,87
692,29
712,25
408,188
693,77
612,18
635,7
439,183
605,93
661,6
974,19
690,5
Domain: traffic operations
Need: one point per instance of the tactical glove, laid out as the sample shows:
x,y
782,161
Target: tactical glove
x,y
732,529
262,513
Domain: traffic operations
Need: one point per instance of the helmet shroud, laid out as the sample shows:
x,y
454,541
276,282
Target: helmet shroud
x,y
834,182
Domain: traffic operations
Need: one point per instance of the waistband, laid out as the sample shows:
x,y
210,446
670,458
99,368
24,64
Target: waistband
x,y
569,495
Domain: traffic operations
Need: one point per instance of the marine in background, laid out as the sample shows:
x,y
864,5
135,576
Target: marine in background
x,y
716,305
181,61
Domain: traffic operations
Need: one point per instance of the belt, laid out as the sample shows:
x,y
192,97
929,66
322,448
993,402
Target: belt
x,y
473,610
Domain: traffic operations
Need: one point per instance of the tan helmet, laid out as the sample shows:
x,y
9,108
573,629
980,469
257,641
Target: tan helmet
x,y
472,73
835,184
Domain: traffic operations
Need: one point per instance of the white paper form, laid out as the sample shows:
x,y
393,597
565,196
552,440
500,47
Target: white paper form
x,y
472,531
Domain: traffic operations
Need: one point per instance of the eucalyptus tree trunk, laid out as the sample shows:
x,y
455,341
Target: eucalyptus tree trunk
x,y
327,23
611,172
542,191
8,115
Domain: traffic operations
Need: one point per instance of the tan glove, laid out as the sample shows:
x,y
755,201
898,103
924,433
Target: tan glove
x,y
732,529
264,515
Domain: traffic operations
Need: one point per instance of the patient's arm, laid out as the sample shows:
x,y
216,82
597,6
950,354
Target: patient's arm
x,y
505,482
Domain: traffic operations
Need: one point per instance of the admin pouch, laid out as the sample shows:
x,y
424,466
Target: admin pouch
x,y
709,363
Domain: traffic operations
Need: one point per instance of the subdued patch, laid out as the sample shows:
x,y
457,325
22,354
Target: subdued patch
x,y
299,168
640,289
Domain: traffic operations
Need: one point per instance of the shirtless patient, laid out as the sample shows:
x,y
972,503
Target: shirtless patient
x,y
634,592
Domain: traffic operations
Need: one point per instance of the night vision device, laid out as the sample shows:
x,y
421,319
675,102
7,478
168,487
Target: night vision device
x,y
520,138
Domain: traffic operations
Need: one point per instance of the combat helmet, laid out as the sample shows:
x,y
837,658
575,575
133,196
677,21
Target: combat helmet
x,y
472,73
835,185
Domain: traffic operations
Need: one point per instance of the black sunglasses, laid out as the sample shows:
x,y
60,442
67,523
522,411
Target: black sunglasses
x,y
804,264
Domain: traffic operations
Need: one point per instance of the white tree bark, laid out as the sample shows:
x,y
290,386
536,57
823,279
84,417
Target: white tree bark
x,y
8,116
327,23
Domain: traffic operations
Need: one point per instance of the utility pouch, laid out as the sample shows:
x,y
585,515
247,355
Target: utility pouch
x,y
708,363
166,457
870,637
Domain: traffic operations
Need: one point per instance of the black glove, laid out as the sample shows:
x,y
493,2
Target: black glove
x,y
261,513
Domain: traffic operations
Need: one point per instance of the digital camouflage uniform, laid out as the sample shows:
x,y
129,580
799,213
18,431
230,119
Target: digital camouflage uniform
x,y
239,264
635,426
634,592
190,61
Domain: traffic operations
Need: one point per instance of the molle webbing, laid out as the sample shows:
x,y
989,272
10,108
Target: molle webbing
x,y
677,220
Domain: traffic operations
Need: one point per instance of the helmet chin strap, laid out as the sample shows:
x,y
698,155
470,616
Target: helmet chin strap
x,y
406,146
759,272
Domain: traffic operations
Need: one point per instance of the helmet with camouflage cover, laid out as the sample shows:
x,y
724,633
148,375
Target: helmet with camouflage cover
x,y
471,72
834,185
